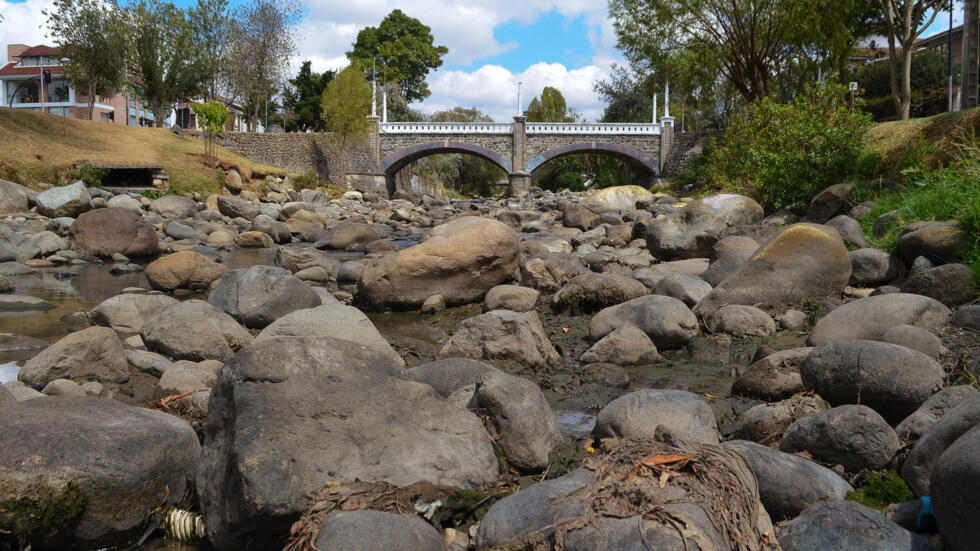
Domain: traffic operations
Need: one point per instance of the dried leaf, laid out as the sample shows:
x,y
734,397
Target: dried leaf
x,y
663,479
662,459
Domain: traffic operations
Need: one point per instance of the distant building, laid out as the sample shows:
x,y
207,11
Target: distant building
x,y
185,117
940,42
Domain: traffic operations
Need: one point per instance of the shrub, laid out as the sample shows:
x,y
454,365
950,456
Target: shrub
x,y
310,180
784,154
92,176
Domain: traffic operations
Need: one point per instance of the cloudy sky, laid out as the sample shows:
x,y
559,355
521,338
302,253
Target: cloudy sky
x,y
493,45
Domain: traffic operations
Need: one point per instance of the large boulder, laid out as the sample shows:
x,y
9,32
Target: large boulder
x,y
803,261
260,295
828,203
938,241
950,284
174,206
234,207
98,467
347,234
916,425
773,378
576,215
517,411
367,530
692,231
767,423
15,246
14,197
290,414
666,320
853,436
333,320
640,414
890,379
870,318
93,353
741,320
503,335
685,287
838,525
194,330
788,483
955,492
587,293
922,459
627,345
67,201
616,198
183,270
460,260
126,313
511,297
872,266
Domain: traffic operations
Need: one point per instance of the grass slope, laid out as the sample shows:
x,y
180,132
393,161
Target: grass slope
x,y
929,141
44,148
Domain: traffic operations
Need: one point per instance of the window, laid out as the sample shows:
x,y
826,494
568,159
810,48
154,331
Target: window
x,y
132,120
57,91
104,117
29,61
60,111
22,92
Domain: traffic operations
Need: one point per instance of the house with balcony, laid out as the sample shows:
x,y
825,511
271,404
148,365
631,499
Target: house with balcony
x,y
33,78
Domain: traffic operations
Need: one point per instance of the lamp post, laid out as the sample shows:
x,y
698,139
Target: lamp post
x,y
374,86
949,59
519,98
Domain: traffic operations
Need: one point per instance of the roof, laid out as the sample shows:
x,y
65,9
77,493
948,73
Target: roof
x,y
40,50
11,69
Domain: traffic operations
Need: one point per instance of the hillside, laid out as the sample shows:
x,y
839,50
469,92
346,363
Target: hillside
x,y
929,140
44,148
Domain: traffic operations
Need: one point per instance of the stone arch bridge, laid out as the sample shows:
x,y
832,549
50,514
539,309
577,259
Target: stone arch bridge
x,y
520,147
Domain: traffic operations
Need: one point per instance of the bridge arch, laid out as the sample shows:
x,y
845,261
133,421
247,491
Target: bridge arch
x,y
397,160
641,160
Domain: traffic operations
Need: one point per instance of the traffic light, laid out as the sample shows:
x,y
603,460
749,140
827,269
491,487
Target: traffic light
x,y
47,76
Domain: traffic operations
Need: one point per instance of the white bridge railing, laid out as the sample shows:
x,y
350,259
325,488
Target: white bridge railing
x,y
596,128
446,128
508,128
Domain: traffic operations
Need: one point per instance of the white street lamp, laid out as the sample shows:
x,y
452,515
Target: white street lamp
x,y
519,98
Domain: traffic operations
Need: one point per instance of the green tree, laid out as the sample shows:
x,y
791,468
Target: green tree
x,y
164,56
550,108
784,154
305,99
93,36
468,174
406,48
211,116
263,41
927,81
346,107
211,28
905,21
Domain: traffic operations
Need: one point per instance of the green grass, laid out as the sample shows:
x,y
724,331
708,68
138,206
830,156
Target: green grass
x,y
949,193
881,491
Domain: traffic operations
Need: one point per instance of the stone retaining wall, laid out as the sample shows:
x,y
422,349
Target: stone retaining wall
x,y
300,153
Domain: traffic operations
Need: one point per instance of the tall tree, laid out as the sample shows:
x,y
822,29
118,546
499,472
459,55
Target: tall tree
x,y
263,40
406,47
905,20
93,36
304,98
467,174
164,56
550,108
346,107
211,23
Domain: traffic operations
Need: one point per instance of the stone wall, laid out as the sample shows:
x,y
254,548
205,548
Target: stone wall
x,y
300,153
687,147
498,143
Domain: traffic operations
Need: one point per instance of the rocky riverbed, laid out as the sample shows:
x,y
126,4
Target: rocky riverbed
x,y
609,370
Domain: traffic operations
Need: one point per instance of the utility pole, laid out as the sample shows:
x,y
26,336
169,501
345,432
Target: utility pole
x,y
374,86
519,98
949,61
654,108
667,100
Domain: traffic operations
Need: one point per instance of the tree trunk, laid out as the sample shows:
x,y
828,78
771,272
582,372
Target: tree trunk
x,y
906,98
159,116
91,101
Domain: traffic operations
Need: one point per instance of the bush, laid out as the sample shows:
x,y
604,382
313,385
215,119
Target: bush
x,y
784,154
310,180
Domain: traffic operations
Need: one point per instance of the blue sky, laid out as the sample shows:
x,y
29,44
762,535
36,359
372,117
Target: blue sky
x,y
493,45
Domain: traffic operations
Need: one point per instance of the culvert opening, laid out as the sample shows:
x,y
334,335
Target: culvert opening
x,y
127,177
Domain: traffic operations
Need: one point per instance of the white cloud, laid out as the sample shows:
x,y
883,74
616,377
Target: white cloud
x,y
23,23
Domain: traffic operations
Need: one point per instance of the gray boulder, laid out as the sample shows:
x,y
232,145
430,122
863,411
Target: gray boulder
x,y
94,353
687,288
448,375
367,530
853,436
348,234
767,423
692,230
869,318
126,313
260,295
955,488
177,231
950,284
788,483
124,461
967,317
588,293
15,246
937,241
14,197
332,320
641,413
518,412
234,207
849,229
773,378
803,261
666,320
829,202
627,345
921,460
916,425
839,525
502,335
290,414
738,319
194,330
891,379
725,265
69,201
872,266
174,206
511,297
915,338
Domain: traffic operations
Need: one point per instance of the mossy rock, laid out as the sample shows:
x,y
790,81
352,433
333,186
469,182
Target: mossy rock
x,y
881,490
33,512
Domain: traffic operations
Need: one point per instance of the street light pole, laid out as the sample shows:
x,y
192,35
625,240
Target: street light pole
x,y
374,86
519,98
949,59
40,79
